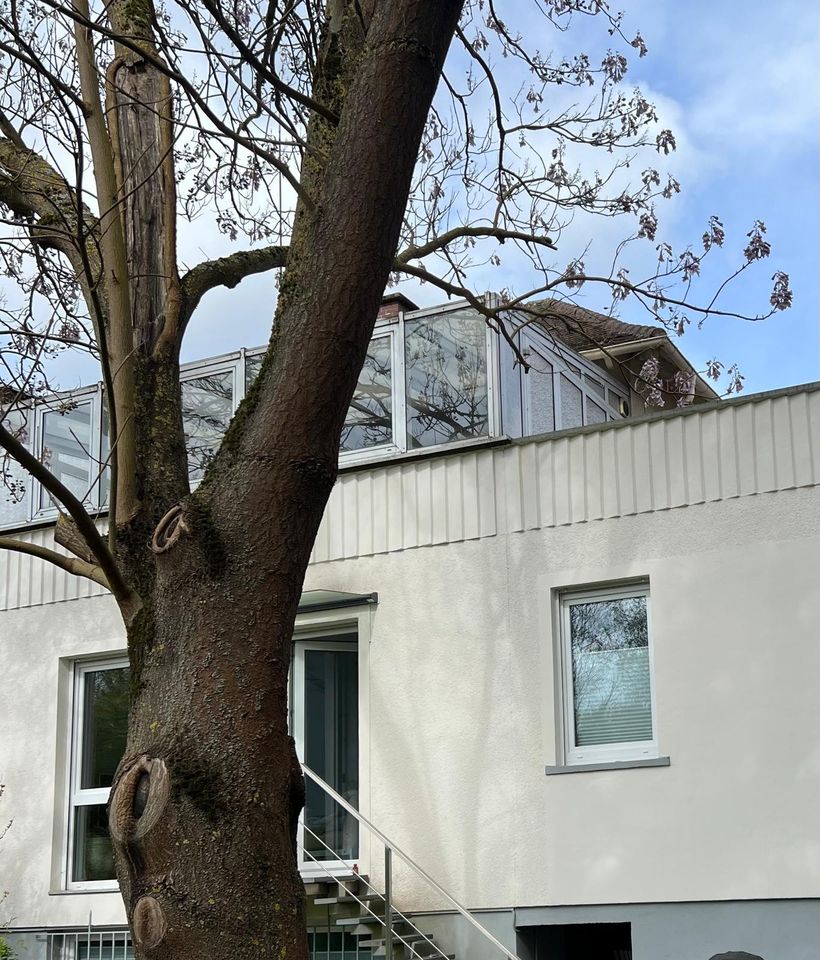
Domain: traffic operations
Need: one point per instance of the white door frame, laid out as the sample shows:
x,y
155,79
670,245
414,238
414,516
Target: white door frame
x,y
329,640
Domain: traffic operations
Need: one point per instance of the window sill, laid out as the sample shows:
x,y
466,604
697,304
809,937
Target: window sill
x,y
84,891
609,765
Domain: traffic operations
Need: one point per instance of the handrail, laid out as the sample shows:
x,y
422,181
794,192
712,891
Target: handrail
x,y
409,861
384,922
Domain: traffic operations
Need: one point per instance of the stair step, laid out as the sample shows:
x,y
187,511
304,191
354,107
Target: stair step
x,y
353,921
348,898
377,949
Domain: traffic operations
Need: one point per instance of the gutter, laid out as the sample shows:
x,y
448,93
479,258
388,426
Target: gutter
x,y
666,346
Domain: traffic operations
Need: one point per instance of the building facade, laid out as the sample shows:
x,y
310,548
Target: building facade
x,y
558,650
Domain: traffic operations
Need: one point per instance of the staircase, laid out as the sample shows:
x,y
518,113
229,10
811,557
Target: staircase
x,y
349,918
351,909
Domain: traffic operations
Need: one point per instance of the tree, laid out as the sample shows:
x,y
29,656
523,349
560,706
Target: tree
x,y
338,127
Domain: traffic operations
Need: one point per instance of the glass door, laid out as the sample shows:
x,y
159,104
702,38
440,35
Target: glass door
x,y
326,729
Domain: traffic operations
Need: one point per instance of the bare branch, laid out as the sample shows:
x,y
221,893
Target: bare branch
x,y
226,272
78,513
73,565
458,233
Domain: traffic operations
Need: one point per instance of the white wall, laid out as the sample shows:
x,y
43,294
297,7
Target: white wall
x,y
463,704
460,721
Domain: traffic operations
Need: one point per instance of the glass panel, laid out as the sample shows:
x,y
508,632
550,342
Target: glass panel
x,y
93,855
105,722
13,478
102,945
105,448
207,407
252,367
595,385
332,750
595,414
610,671
65,448
538,381
369,420
446,369
571,400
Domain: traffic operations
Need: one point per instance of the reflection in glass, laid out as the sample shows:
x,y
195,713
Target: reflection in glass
x,y
13,478
93,855
610,671
207,406
105,450
253,364
65,448
446,370
369,420
104,725
332,751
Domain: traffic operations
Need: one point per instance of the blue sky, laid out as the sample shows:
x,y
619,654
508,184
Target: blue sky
x,y
739,82
745,77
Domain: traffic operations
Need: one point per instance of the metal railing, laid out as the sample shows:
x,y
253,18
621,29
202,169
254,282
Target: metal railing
x,y
391,915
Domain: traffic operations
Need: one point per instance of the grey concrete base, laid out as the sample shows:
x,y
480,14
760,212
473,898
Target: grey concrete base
x,y
770,929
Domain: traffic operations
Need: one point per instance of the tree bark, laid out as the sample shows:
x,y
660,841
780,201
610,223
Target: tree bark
x,y
204,805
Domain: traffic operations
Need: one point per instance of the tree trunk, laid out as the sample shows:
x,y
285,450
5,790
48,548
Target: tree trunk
x,y
205,803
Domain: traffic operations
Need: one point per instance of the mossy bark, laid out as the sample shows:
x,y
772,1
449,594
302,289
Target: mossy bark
x,y
205,802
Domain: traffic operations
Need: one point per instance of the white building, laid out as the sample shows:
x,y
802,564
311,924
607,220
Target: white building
x,y
561,652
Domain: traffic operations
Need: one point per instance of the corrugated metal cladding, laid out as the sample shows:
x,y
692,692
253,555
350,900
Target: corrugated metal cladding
x,y
758,446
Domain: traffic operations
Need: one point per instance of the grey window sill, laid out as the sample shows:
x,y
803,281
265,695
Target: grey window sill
x,y
612,765
79,892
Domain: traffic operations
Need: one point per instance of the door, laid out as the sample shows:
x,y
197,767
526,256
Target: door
x,y
325,720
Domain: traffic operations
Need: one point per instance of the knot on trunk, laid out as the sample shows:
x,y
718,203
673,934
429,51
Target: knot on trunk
x,y
138,800
150,925
169,530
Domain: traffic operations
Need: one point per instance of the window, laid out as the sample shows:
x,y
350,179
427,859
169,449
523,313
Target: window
x,y
67,443
13,478
559,395
89,945
607,670
207,408
369,420
100,719
447,390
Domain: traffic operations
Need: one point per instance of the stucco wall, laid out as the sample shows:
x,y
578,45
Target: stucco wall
x,y
463,705
459,720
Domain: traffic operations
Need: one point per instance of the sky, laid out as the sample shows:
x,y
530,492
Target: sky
x,y
739,83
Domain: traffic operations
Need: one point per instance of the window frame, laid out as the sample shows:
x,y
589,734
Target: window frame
x,y
233,364
77,796
608,752
397,399
579,371
91,500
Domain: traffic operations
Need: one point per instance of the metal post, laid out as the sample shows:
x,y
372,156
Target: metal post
x,y
388,904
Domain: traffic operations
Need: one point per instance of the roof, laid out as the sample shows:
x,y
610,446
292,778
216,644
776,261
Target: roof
x,y
583,329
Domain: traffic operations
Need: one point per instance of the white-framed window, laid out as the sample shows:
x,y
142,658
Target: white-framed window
x,y
375,421
608,684
68,440
561,394
99,721
209,399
